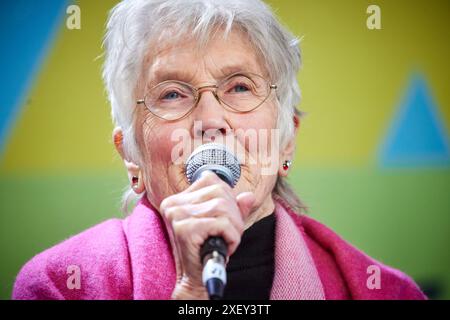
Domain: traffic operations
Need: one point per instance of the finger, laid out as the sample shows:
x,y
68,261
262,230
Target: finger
x,y
214,208
219,207
245,202
207,178
173,207
176,213
175,250
196,231
207,187
207,193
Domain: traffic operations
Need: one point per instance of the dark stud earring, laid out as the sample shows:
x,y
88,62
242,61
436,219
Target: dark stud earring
x,y
286,164
134,181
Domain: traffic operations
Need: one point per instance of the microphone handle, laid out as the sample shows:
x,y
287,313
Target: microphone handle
x,y
213,254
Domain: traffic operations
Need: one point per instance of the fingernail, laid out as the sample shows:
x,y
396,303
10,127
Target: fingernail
x,y
204,173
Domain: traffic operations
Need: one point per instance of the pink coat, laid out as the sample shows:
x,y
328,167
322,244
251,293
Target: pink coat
x,y
132,259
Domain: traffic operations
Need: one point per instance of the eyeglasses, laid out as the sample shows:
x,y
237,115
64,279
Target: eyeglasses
x,y
240,92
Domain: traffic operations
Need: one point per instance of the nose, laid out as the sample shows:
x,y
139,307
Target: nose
x,y
211,115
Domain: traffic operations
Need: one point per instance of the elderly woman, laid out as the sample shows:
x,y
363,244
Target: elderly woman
x,y
208,71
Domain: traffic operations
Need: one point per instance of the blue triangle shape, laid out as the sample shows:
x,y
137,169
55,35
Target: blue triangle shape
x,y
417,136
27,30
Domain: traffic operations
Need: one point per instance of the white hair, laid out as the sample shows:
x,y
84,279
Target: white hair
x,y
134,25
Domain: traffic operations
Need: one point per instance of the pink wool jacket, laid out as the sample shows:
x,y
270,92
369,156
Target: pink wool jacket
x,y
132,259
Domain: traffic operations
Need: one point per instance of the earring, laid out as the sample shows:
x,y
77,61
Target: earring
x,y
286,164
134,182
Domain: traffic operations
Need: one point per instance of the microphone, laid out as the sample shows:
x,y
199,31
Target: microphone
x,y
216,158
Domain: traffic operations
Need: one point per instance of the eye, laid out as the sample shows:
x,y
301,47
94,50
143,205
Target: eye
x,y
239,85
240,88
171,95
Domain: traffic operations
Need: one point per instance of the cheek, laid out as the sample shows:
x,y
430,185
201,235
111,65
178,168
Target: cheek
x,y
164,173
158,145
257,129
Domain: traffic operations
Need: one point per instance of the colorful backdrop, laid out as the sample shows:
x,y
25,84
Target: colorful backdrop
x,y
372,161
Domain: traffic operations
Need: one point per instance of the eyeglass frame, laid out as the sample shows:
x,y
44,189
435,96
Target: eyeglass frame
x,y
213,87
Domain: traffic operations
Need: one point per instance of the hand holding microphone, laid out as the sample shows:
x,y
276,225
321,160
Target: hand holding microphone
x,y
206,209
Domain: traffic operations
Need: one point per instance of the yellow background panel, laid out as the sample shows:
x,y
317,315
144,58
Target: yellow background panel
x,y
353,79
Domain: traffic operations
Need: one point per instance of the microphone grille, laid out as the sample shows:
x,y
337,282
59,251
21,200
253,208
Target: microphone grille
x,y
215,157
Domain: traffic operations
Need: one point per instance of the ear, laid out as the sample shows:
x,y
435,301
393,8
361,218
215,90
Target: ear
x,y
288,152
117,136
135,175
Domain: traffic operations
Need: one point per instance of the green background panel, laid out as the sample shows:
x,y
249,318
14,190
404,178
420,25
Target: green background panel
x,y
59,173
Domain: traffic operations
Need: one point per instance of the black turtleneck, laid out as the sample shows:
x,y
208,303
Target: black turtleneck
x,y
251,268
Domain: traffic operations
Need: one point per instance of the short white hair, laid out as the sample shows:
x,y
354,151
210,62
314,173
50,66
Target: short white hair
x,y
134,25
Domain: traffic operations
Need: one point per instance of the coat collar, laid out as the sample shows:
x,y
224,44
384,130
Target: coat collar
x,y
153,268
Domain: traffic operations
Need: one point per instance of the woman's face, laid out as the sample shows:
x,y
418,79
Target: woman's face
x,y
163,174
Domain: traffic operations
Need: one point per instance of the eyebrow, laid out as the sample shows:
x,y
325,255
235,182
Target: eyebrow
x,y
164,75
230,69
185,76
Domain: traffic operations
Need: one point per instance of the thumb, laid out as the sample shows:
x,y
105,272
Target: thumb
x,y
245,202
